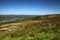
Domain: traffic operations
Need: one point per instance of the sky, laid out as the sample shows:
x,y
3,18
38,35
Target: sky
x,y
29,7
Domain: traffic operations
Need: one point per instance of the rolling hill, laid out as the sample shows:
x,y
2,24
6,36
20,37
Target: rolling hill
x,y
45,27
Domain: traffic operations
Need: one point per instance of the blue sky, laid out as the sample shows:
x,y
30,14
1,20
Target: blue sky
x,y
29,7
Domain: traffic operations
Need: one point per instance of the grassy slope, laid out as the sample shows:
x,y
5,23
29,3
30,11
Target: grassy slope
x,y
39,28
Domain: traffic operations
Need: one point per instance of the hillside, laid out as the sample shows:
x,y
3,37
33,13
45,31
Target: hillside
x,y
46,27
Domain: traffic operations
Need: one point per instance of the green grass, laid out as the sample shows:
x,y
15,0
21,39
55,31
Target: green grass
x,y
46,30
32,34
36,36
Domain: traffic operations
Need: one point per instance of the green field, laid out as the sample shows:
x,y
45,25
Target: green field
x,y
46,27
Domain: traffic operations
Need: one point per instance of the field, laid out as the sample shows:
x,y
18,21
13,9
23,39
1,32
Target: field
x,y
19,27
